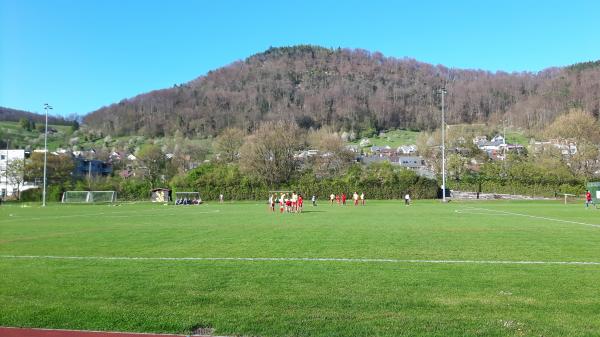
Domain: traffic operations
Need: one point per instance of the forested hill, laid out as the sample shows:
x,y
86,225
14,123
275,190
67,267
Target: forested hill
x,y
14,115
350,89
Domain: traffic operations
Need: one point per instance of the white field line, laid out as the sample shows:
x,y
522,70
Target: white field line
x,y
498,212
105,215
93,331
297,259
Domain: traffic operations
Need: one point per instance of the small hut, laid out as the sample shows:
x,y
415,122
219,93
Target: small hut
x,y
161,195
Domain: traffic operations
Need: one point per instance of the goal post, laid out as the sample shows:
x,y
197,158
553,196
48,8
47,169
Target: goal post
x,y
187,198
567,197
89,197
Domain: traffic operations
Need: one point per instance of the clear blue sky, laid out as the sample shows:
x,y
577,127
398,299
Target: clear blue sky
x,y
81,55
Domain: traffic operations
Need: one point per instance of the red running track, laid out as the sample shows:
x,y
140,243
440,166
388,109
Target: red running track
x,y
25,332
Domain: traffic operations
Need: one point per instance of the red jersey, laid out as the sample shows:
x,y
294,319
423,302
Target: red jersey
x,y
588,196
299,200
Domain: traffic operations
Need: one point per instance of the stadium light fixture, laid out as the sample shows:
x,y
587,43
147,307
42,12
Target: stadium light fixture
x,y
442,91
46,107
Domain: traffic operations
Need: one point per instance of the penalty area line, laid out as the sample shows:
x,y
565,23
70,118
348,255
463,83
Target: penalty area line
x,y
299,259
498,212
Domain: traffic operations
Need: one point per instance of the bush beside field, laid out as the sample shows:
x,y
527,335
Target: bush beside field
x,y
378,181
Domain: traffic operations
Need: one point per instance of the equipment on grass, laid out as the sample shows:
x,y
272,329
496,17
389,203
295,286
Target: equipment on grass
x,y
187,198
89,197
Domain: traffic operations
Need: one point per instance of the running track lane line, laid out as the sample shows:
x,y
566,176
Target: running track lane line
x,y
33,332
299,259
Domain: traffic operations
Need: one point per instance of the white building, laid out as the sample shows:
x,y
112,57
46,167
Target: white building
x,y
7,186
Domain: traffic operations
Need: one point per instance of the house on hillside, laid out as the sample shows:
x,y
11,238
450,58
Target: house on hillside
x,y
411,162
353,148
497,147
407,149
567,147
91,167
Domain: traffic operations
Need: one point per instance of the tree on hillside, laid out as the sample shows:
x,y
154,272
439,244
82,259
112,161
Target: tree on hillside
x,y
186,154
15,171
153,161
269,152
333,158
228,144
2,140
584,129
27,124
577,125
59,167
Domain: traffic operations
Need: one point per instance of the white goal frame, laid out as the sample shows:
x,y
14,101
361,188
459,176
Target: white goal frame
x,y
89,197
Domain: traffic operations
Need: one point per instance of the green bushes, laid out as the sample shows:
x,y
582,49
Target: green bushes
x,y
381,181
32,194
545,189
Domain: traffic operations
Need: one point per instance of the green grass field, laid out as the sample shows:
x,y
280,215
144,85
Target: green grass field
x,y
393,138
20,138
424,275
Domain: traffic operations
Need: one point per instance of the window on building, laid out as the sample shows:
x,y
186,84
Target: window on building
x,y
2,157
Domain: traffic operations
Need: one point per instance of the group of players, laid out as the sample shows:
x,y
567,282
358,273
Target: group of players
x,y
294,202
340,199
288,203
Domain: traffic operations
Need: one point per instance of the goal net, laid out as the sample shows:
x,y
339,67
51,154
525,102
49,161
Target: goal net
x,y
89,197
187,198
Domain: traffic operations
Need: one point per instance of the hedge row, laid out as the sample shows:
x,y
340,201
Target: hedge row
x,y
379,181
518,188
376,182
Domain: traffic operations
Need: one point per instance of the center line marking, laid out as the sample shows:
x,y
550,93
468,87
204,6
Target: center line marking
x,y
299,259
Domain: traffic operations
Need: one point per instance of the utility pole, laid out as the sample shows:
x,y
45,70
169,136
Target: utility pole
x,y
46,107
443,92
504,136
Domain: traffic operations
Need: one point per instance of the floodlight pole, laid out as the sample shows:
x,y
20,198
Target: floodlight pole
x,y
6,173
443,91
46,107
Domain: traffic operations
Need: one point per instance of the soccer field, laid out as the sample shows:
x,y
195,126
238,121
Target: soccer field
x,y
430,269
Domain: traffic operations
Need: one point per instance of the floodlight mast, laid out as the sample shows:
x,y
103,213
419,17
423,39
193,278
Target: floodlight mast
x,y
442,92
46,107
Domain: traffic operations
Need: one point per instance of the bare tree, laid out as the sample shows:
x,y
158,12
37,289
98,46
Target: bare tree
x,y
15,170
269,152
228,144
153,161
333,157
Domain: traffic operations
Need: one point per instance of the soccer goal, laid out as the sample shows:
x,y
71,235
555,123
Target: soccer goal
x,y
89,197
187,198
